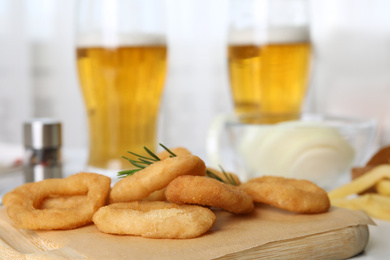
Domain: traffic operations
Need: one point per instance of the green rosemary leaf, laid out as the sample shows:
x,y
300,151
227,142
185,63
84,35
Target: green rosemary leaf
x,y
144,157
169,151
232,180
146,161
143,162
213,175
151,153
137,164
228,177
126,173
125,157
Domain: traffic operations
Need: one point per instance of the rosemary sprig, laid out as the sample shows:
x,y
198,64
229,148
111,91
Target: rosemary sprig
x,y
228,177
144,161
169,151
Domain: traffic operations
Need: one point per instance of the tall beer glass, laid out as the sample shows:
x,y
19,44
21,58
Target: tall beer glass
x,y
121,60
268,55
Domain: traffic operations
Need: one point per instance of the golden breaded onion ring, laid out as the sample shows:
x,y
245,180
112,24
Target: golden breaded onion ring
x,y
23,201
158,195
290,194
205,191
154,219
155,177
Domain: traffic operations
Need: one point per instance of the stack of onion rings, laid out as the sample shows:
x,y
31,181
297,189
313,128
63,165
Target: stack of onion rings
x,y
300,196
154,219
155,177
152,202
23,202
159,195
205,191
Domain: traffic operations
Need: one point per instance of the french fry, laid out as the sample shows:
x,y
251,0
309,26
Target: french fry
x,y
374,204
355,203
383,187
362,183
377,206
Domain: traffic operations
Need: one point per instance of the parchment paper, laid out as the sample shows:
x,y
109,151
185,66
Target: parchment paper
x,y
230,234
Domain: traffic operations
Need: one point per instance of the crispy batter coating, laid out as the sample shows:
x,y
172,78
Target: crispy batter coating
x,y
290,194
158,195
23,202
155,177
205,191
155,219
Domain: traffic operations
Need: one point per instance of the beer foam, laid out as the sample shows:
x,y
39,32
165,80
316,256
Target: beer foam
x,y
107,40
271,35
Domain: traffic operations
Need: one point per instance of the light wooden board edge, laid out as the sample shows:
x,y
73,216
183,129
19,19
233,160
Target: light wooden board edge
x,y
18,243
336,244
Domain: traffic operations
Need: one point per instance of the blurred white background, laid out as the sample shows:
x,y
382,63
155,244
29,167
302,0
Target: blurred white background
x,y
351,72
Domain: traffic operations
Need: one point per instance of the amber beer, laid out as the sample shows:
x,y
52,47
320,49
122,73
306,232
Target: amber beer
x,y
122,88
271,78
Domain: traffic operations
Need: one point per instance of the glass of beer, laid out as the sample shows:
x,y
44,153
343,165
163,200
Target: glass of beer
x,y
121,61
269,57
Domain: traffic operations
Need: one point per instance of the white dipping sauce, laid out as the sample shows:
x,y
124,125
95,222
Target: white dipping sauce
x,y
299,150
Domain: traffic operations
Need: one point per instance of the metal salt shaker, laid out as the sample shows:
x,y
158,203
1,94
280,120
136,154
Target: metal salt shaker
x,y
42,141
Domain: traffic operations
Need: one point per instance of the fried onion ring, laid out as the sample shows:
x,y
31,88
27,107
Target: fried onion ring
x,y
158,195
23,202
205,191
294,195
155,219
155,177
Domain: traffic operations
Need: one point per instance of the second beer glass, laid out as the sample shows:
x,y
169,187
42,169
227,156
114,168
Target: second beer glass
x,y
121,59
269,54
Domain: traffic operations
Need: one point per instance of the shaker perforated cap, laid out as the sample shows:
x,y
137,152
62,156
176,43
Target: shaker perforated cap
x,y
42,133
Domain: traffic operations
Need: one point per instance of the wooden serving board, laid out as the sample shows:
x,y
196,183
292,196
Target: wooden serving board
x,y
267,233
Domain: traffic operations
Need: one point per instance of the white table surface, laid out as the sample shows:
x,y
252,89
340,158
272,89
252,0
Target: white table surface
x,y
378,247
